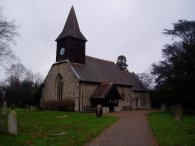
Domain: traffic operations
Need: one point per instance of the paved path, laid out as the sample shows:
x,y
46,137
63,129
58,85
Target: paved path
x,y
131,129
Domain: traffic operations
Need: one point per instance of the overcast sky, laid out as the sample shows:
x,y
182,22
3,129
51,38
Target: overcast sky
x,y
112,27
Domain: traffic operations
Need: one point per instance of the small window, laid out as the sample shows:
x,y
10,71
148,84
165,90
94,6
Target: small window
x,y
59,87
123,95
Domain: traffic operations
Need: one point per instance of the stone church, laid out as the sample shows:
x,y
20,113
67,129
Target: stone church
x,y
88,80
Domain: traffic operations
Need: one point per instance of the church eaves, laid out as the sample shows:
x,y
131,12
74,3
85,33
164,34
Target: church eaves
x,y
71,28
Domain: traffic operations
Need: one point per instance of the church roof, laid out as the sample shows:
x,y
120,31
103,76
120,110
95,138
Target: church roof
x,y
103,90
98,70
71,28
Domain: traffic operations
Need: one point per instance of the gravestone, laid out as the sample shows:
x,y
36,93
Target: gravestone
x,y
99,111
105,110
1,128
1,102
173,110
178,113
4,109
12,122
163,107
32,108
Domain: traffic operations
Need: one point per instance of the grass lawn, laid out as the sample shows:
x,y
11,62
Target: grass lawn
x,y
170,133
38,128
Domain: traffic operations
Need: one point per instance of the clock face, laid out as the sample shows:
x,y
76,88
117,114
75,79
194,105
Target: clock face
x,y
62,51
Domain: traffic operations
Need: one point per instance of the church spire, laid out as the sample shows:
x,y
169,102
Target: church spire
x,y
71,28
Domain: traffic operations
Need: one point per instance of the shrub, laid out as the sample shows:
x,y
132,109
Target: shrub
x,y
63,105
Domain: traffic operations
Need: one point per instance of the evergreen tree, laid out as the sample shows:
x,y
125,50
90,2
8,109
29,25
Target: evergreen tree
x,y
121,63
176,73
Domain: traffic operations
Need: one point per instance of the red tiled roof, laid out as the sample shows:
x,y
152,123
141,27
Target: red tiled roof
x,y
98,70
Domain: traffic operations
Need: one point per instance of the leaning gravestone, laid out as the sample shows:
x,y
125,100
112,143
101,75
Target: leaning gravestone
x,y
99,111
12,122
178,113
4,109
163,107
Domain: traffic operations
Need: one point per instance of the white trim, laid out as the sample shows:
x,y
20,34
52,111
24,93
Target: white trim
x,y
73,69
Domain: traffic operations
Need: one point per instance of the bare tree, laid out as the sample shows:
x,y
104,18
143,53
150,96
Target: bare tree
x,y
38,78
16,72
8,33
146,79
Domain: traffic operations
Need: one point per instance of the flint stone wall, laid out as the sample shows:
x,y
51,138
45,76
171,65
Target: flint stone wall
x,y
87,90
70,84
141,100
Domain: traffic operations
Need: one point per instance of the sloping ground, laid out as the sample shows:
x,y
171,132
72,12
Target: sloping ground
x,y
54,128
131,130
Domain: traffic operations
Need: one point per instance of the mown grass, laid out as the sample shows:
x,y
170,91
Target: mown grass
x,y
170,133
37,128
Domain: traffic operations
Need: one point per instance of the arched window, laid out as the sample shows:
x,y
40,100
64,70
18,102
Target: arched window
x,y
59,87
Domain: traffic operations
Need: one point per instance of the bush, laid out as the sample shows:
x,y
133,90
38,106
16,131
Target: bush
x,y
63,105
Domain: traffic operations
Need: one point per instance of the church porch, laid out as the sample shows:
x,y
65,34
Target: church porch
x,y
106,95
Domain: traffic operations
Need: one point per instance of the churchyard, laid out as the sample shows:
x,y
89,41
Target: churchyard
x,y
43,127
170,132
38,127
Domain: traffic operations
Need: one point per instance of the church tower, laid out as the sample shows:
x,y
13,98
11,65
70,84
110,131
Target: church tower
x,y
71,42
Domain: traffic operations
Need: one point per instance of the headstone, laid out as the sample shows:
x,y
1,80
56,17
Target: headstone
x,y
4,109
12,122
99,111
32,108
1,102
105,110
178,113
173,110
163,107
1,128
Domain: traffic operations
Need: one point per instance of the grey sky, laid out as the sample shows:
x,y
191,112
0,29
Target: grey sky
x,y
112,27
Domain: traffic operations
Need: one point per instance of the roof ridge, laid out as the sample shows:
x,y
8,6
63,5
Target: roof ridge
x,y
140,81
100,59
106,82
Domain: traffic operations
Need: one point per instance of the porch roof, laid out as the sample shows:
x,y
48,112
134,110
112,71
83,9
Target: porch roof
x,y
103,90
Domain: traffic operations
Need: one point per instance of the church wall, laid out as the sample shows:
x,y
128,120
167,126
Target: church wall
x,y
82,93
127,98
49,86
141,100
87,89
70,84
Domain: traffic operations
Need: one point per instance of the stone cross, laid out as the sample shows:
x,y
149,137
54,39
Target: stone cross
x,y
12,122
163,107
4,109
178,113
